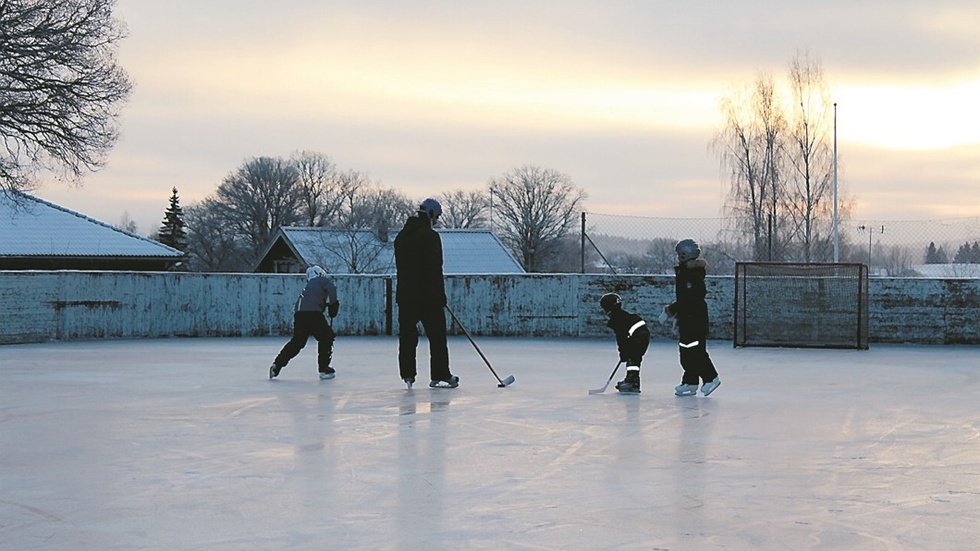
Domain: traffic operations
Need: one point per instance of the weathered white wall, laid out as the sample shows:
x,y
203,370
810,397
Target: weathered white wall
x,y
38,306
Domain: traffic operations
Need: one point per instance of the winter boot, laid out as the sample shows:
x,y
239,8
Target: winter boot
x,y
631,384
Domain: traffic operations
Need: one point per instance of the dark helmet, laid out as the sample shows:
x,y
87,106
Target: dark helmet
x,y
431,208
610,302
687,249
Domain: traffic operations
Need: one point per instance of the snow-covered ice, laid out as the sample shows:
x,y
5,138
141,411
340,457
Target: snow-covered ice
x,y
184,444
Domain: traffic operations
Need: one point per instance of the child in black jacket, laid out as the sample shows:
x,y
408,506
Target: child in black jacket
x,y
691,312
632,339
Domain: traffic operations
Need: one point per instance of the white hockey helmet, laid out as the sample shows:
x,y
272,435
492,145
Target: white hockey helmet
x,y
315,271
687,249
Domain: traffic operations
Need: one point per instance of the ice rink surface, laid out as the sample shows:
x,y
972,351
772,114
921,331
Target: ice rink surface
x,y
185,444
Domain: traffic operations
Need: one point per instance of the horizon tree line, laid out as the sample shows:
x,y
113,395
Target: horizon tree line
x,y
533,211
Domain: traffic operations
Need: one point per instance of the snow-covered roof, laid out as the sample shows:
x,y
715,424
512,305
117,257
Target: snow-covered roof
x,y
470,251
476,251
340,251
33,227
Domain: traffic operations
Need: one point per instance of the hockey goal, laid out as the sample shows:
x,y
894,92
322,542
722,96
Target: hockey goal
x,y
802,305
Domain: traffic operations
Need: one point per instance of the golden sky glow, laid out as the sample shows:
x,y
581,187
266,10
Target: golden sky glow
x,y
432,96
913,117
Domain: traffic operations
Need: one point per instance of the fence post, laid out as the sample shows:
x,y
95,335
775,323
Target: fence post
x,y
583,242
389,301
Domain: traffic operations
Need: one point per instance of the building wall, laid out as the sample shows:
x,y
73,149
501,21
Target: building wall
x,y
39,306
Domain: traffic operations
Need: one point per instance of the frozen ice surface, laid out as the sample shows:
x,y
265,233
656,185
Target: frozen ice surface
x,y
185,444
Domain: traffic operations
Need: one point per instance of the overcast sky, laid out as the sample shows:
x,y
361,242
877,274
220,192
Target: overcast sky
x,y
623,96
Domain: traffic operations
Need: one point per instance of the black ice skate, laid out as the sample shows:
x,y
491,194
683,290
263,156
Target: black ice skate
x,y
631,384
451,382
274,371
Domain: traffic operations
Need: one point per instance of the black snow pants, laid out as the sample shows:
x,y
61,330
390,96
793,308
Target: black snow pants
x,y
433,321
306,325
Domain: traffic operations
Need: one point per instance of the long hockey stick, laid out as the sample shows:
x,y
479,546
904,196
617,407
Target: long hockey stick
x,y
503,382
605,386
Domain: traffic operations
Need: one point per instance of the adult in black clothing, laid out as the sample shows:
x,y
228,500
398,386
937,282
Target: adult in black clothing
x,y
691,312
421,296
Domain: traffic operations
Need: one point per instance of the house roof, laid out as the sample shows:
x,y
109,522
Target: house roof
x,y
33,227
469,251
339,251
476,251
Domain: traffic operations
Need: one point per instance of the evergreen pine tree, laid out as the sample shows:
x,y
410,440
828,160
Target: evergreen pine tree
x,y
962,254
172,231
931,254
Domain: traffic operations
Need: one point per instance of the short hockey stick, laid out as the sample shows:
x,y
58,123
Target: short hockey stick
x,y
605,386
503,382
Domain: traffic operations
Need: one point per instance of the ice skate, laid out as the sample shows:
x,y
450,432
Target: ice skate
x,y
631,384
409,381
710,386
685,390
274,371
451,382
327,373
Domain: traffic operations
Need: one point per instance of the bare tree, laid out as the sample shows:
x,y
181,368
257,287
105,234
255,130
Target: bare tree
x,y
365,219
751,149
780,165
359,250
263,194
387,209
355,212
60,88
537,208
128,224
210,248
660,256
320,188
464,209
812,155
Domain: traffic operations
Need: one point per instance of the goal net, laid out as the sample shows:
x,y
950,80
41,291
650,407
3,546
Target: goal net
x,y
804,305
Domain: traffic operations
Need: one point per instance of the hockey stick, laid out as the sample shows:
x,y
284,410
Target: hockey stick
x,y
605,386
503,382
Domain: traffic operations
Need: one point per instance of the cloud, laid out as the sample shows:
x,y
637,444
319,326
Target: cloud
x,y
623,96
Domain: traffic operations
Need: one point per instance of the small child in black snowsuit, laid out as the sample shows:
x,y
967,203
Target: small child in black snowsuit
x,y
691,312
632,339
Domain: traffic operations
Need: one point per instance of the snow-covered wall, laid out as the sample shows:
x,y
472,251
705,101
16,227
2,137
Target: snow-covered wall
x,y
38,306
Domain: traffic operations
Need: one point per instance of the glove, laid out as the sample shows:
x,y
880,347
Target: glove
x,y
333,308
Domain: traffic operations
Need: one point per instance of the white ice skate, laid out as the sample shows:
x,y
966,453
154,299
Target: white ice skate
x,y
685,390
710,386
